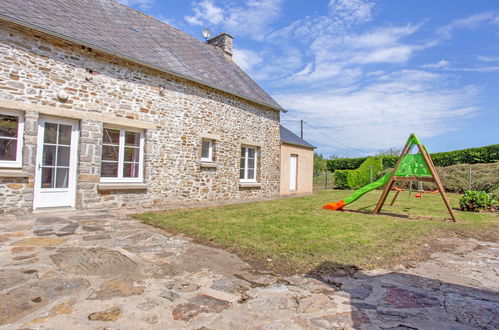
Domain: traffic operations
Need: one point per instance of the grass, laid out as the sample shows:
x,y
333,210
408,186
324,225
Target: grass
x,y
296,235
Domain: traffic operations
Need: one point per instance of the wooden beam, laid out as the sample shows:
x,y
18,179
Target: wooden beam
x,y
395,197
440,187
389,184
413,178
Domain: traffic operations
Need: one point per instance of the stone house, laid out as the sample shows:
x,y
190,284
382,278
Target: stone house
x,y
102,106
297,164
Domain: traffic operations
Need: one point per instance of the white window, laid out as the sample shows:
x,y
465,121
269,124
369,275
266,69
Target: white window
x,y
248,164
206,150
122,155
11,138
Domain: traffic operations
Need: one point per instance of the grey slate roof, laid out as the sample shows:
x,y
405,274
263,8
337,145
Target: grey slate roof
x,y
291,138
117,29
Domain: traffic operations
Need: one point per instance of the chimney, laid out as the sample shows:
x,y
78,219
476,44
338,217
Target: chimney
x,y
224,42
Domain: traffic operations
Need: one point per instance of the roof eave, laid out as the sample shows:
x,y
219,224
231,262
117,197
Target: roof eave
x,y
298,145
129,58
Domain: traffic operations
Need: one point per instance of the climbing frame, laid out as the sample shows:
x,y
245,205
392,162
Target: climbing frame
x,y
412,167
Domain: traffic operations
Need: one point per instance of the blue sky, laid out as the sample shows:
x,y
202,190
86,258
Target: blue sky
x,y
364,74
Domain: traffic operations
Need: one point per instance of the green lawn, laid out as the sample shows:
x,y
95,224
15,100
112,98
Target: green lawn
x,y
296,235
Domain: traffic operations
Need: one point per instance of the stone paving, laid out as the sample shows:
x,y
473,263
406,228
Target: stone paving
x,y
102,270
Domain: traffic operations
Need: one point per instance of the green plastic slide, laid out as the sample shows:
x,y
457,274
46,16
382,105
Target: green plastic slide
x,y
359,193
376,184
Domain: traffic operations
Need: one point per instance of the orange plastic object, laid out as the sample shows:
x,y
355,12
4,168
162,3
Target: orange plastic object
x,y
418,195
398,189
334,206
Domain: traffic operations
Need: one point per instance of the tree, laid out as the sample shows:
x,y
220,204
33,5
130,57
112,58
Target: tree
x,y
389,152
320,164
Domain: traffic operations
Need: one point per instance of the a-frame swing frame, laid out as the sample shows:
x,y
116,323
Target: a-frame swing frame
x,y
434,178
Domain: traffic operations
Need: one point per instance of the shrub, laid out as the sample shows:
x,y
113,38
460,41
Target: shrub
x,y
476,201
340,179
344,163
359,177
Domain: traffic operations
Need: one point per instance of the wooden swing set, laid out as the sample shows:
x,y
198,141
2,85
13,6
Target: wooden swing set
x,y
413,169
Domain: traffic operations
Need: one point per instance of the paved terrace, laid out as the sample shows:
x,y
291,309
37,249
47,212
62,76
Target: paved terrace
x,y
98,269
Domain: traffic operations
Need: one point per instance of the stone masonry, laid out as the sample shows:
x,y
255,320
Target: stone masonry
x,y
35,67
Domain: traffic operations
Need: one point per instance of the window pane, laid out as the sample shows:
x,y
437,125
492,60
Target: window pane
x,y
131,170
48,177
242,163
241,173
62,178
110,153
251,163
62,156
50,133
65,134
48,157
251,175
205,149
8,126
111,136
251,152
132,139
8,149
109,170
243,152
132,154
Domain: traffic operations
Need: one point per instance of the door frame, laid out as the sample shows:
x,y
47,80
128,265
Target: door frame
x,y
295,156
73,161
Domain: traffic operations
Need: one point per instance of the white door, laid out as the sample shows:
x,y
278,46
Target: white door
x,y
55,176
293,168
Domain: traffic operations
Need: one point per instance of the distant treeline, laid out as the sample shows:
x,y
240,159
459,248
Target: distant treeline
x,y
488,154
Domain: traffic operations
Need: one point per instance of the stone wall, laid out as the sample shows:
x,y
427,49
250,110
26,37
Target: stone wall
x,y
36,66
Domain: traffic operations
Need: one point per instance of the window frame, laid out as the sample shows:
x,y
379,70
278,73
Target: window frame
x,y
245,179
18,163
121,156
209,159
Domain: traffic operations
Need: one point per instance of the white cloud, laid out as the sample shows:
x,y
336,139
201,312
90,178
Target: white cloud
x,y
352,11
252,19
205,12
471,22
482,58
384,113
442,64
246,59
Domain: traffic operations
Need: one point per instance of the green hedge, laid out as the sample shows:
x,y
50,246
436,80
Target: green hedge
x,y
488,154
361,176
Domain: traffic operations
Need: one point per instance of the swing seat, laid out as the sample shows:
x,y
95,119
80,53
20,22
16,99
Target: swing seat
x,y
398,189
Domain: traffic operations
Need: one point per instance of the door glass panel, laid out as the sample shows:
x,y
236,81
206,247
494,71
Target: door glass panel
x,y
109,170
50,133
63,153
48,177
132,139
48,155
64,134
131,170
62,177
8,149
8,126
